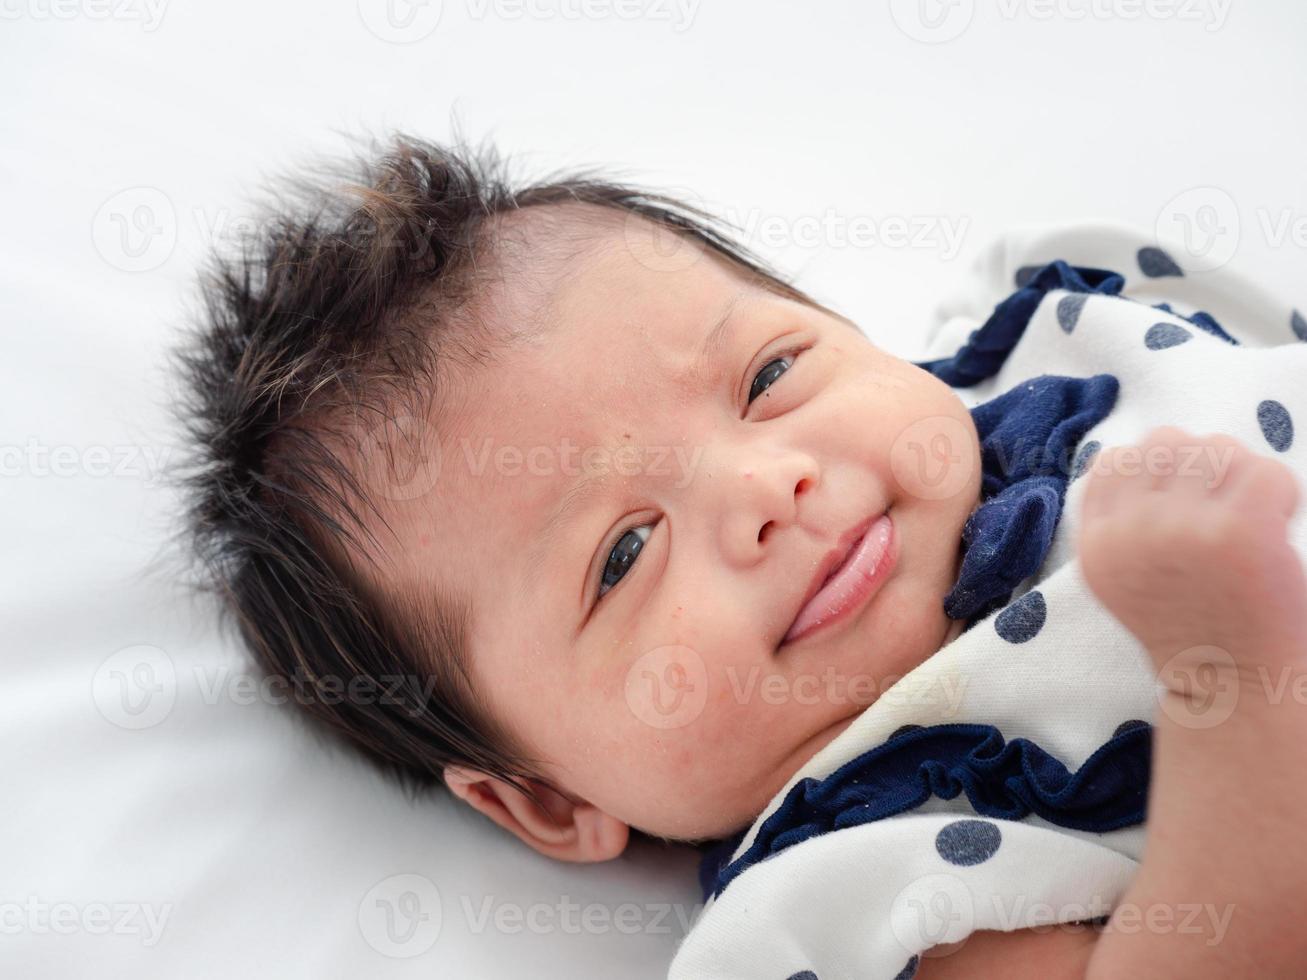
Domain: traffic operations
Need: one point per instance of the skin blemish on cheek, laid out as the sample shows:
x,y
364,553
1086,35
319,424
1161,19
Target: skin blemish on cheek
x,y
424,540
598,683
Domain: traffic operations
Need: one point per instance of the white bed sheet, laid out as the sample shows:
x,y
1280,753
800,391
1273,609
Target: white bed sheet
x,y
220,839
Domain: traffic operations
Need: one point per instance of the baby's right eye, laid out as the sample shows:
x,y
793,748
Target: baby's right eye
x,y
622,557
769,376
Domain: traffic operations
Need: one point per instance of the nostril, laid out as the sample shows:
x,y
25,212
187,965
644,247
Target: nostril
x,y
802,486
764,530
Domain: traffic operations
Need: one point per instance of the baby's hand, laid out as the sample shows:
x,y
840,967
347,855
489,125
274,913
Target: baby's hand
x,y
1184,540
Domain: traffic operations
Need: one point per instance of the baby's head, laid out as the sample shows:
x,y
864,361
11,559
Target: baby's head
x,y
522,488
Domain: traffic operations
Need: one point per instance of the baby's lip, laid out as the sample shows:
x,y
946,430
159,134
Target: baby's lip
x,y
829,562
852,584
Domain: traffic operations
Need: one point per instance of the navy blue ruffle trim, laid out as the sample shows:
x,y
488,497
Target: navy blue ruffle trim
x,y
1026,437
989,345
1027,440
1008,781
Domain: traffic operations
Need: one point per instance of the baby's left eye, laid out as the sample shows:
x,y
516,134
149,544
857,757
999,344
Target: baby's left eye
x,y
767,376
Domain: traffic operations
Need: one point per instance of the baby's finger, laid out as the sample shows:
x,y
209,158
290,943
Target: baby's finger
x,y
1265,484
1207,463
1106,482
1167,454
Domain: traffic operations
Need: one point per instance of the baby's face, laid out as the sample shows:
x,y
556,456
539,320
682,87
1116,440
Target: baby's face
x,y
700,503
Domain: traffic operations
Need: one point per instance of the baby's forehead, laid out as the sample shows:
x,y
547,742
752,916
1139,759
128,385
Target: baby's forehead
x,y
611,334
582,268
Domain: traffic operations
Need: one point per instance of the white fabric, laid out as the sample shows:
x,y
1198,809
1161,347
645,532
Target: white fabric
x,y
846,903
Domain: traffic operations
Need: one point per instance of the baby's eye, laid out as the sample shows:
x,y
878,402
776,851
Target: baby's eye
x,y
623,556
768,375
628,546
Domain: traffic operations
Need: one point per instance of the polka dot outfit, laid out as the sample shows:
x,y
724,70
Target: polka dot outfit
x,y
1211,352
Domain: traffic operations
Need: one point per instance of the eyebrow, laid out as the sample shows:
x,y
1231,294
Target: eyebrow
x,y
719,338
581,493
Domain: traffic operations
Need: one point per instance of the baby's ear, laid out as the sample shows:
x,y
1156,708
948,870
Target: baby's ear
x,y
557,827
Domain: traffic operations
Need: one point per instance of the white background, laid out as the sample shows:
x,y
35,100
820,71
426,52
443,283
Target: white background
x,y
807,122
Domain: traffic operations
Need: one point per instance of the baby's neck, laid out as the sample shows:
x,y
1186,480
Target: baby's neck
x,y
954,630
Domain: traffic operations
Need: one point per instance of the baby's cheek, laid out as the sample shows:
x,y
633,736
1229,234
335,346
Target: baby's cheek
x,y
736,711
672,705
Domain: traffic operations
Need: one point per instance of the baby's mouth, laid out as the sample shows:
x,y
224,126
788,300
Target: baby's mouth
x,y
847,577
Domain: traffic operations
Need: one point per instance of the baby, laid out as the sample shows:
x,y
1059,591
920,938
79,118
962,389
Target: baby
x,y
541,490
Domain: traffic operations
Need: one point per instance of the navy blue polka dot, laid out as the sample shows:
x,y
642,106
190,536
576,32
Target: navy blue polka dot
x,y
1276,424
1127,726
909,970
1068,310
1163,335
903,730
1154,263
1025,274
1024,618
1298,325
802,975
967,842
1084,457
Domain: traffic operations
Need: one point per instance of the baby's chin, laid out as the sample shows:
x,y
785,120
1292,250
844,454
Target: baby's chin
x,y
806,750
